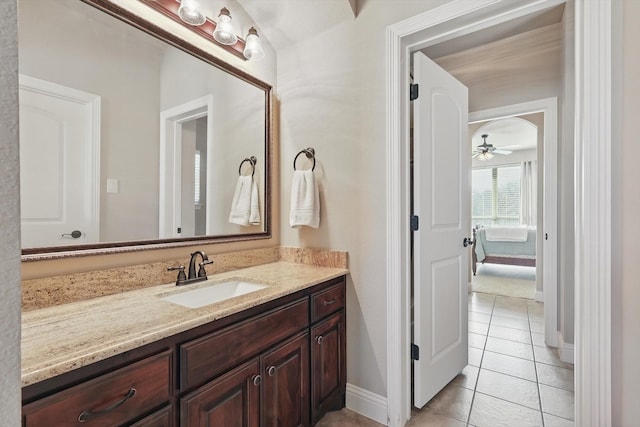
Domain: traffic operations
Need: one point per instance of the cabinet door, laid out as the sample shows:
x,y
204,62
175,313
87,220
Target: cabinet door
x,y
286,384
328,363
232,400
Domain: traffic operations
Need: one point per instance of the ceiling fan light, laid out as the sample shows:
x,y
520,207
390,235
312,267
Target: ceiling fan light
x,y
488,155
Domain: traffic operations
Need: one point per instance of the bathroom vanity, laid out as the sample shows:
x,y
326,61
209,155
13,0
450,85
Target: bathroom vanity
x,y
271,357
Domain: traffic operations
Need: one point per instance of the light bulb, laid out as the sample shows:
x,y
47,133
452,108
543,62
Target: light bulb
x,y
224,30
253,45
190,12
489,156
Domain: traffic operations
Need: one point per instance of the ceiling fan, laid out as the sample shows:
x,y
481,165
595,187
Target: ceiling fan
x,y
485,151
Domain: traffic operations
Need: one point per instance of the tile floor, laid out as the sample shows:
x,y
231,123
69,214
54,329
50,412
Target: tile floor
x,y
512,379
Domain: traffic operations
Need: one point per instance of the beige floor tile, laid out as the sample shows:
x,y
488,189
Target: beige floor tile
x,y
479,317
427,417
555,376
467,378
510,322
477,340
480,297
453,402
475,356
510,348
345,418
509,312
549,356
538,339
553,421
510,334
488,411
478,328
536,317
537,327
502,301
481,308
506,387
557,402
509,365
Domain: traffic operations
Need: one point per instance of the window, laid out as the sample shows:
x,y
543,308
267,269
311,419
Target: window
x,y
495,195
196,180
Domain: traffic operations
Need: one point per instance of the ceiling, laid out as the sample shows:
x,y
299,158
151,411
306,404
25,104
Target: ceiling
x,y
285,22
507,29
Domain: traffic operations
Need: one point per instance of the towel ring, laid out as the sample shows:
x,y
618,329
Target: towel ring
x,y
251,160
310,153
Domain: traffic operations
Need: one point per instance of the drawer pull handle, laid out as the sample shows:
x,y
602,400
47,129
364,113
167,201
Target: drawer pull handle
x,y
87,415
271,371
257,380
319,339
331,301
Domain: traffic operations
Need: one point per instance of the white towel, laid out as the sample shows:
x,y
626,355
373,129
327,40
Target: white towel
x,y
305,200
506,234
245,208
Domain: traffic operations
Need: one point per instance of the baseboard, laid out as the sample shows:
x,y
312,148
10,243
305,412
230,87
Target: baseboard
x,y
365,403
539,296
565,350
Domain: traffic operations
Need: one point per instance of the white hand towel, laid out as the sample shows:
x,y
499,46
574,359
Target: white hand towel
x,y
245,209
305,200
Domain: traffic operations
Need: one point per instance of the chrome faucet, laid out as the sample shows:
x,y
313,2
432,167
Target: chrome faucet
x,y
193,277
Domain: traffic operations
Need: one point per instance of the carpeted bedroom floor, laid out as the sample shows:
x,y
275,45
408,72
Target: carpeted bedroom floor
x,y
507,280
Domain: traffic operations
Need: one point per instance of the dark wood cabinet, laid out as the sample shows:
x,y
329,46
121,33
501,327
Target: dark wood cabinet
x,y
328,373
281,364
112,399
286,384
230,400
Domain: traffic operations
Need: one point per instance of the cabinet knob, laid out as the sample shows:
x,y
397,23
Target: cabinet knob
x,y
271,371
256,379
319,339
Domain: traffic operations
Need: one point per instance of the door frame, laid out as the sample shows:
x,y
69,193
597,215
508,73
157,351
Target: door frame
x,y
593,138
91,104
549,278
171,121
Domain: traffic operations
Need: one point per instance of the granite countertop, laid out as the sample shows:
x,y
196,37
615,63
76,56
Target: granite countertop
x,y
59,339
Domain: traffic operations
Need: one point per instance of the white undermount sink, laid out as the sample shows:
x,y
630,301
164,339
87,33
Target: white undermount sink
x,y
215,292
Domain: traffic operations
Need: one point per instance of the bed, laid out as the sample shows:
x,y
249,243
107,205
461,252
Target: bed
x,y
504,246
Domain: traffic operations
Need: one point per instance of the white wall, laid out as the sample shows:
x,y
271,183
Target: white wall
x,y
9,219
626,205
331,88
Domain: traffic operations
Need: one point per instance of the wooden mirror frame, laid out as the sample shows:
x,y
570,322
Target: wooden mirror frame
x,y
45,253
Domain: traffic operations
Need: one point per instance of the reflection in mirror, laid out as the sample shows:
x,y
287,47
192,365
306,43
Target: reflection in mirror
x,y
126,139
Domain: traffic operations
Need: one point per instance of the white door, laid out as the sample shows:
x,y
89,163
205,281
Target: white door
x,y
441,200
59,166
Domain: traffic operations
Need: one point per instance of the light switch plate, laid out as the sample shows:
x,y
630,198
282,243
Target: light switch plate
x,y
112,185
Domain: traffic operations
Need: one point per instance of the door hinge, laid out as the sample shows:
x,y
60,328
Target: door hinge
x,y
415,222
415,352
179,230
413,92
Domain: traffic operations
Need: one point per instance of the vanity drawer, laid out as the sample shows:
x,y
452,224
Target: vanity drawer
x,y
327,302
204,358
111,399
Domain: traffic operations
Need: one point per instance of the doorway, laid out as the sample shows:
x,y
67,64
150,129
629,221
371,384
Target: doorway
x,y
593,137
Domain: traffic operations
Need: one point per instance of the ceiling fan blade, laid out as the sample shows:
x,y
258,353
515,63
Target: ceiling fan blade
x,y
502,152
475,155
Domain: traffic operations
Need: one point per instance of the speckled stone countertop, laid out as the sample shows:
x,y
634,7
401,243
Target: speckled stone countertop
x,y
59,339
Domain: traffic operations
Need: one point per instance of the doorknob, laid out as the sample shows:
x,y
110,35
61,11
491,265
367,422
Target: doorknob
x,y
75,234
467,241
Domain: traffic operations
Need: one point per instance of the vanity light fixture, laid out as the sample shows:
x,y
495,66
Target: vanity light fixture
x,y
253,46
224,30
191,13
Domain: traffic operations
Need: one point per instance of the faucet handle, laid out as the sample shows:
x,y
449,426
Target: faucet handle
x,y
201,271
181,275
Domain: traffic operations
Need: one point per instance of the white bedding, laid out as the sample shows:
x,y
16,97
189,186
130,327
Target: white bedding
x,y
506,234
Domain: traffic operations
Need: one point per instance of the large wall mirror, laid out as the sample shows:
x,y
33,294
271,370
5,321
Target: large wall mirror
x,y
130,137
